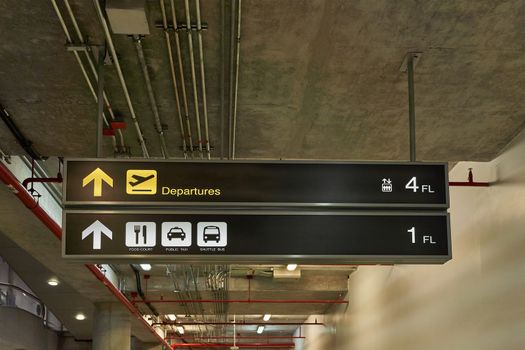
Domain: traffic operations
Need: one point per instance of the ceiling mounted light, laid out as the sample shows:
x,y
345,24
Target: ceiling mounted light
x,y
260,329
80,316
53,282
267,317
180,329
171,317
291,267
145,267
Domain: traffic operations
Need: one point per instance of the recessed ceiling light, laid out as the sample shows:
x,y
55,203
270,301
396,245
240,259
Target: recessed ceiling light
x,y
171,317
291,267
180,329
260,329
53,282
145,267
80,316
267,317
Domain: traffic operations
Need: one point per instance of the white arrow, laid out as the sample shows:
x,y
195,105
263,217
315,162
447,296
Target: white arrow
x,y
97,229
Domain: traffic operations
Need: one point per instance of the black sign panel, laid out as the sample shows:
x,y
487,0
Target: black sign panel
x,y
278,184
258,237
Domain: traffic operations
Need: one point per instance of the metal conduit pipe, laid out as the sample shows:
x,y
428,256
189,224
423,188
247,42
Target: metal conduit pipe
x,y
93,68
151,95
265,301
239,345
193,75
181,73
24,142
411,106
16,187
203,77
81,65
237,337
236,93
231,73
140,291
222,77
237,323
116,62
173,76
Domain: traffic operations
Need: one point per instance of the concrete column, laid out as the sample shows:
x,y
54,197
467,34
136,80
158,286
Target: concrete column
x,y
138,345
111,327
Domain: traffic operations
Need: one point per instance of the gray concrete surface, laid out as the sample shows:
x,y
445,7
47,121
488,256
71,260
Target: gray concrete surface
x,y
318,79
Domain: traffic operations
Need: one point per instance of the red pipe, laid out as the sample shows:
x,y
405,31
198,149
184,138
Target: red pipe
x,y
470,181
12,182
238,337
41,179
122,298
224,345
238,324
268,301
469,184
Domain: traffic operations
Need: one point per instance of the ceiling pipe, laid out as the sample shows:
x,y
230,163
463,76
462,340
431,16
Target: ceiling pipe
x,y
81,65
231,76
203,77
31,180
470,182
223,73
122,298
173,76
137,40
224,345
193,75
238,337
116,62
411,106
16,187
236,93
93,69
181,73
238,323
18,190
268,301
26,144
140,291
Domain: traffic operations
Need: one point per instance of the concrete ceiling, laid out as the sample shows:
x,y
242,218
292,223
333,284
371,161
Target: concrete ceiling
x,y
166,285
318,79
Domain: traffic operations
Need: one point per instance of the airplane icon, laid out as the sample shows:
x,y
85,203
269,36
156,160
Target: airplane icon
x,y
141,181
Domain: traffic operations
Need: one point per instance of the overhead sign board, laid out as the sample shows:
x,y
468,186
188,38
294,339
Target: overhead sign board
x,y
257,236
256,184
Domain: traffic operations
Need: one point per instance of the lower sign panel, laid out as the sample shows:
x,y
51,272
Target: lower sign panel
x,y
257,237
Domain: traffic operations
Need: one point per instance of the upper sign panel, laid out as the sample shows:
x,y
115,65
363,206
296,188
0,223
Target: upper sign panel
x,y
299,184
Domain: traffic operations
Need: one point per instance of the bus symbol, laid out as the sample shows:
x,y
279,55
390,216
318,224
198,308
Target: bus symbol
x,y
212,233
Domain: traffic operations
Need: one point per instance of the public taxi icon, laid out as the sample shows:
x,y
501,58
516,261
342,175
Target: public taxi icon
x,y
141,181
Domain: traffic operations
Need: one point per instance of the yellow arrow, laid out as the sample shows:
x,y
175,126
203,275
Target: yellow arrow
x,y
97,176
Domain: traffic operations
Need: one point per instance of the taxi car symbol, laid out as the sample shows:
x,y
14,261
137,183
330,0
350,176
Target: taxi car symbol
x,y
176,232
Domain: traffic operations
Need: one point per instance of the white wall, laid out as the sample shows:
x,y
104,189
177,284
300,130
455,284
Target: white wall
x,y
22,330
474,302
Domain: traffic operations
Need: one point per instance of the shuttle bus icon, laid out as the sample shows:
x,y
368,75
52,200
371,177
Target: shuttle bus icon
x,y
212,233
